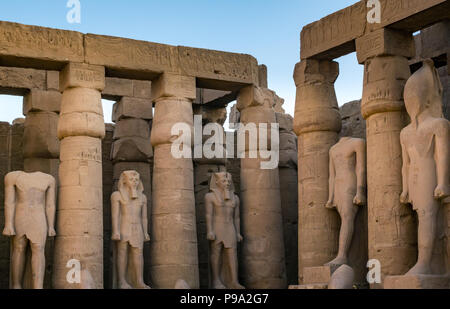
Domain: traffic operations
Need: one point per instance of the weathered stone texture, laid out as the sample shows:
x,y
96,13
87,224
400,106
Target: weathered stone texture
x,y
353,123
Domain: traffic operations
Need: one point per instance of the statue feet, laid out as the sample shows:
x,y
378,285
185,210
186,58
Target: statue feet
x,y
143,286
237,286
420,269
125,286
340,260
218,285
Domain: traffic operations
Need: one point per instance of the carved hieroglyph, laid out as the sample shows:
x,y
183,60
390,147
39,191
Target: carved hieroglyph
x,y
129,230
347,188
223,229
29,218
426,157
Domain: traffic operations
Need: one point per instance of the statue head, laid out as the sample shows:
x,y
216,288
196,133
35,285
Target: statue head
x,y
423,91
222,182
130,185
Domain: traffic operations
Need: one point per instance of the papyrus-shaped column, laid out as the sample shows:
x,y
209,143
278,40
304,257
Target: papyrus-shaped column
x,y
289,193
263,257
41,150
392,227
203,169
80,211
316,123
173,246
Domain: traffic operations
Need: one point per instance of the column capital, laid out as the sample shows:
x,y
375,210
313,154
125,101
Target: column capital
x,y
316,107
82,75
131,107
174,85
385,42
42,101
312,71
252,96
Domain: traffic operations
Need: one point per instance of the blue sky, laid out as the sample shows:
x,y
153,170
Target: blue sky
x,y
267,29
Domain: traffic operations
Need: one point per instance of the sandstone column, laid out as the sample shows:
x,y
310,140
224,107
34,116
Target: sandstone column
x,y
79,215
41,149
289,193
203,170
132,150
263,258
173,253
317,123
392,227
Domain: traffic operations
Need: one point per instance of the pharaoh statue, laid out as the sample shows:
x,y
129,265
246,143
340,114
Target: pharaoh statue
x,y
223,230
129,230
29,218
347,189
426,158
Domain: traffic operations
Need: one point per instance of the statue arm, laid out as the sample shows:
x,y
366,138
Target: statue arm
x,y
404,198
237,219
443,161
209,217
50,207
115,215
331,183
360,151
145,219
10,204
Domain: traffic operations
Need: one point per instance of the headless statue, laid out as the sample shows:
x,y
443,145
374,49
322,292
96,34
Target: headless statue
x,y
426,156
347,188
29,218
130,229
223,229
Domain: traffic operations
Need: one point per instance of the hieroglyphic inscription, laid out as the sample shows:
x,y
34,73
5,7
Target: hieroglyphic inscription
x,y
40,43
130,54
218,65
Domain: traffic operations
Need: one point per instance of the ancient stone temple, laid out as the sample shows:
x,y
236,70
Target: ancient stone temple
x,y
340,196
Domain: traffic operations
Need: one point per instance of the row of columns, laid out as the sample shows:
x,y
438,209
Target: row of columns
x,y
392,232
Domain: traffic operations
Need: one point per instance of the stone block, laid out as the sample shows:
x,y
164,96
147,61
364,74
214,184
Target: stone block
x,y
118,87
132,127
417,282
133,108
53,80
173,85
285,121
40,135
39,100
384,42
82,75
321,274
21,80
142,89
262,76
133,149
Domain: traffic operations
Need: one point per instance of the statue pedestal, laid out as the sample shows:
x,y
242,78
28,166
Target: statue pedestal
x,y
316,278
417,282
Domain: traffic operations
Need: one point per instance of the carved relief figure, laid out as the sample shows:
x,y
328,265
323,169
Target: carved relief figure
x,y
426,157
347,185
130,229
223,229
29,218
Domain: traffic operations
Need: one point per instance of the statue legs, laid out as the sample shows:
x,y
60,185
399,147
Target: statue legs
x,y
348,215
216,257
122,262
138,263
38,265
19,254
231,255
426,236
19,251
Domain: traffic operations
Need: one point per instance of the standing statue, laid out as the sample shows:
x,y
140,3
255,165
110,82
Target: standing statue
x,y
347,188
29,217
426,158
223,229
130,229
